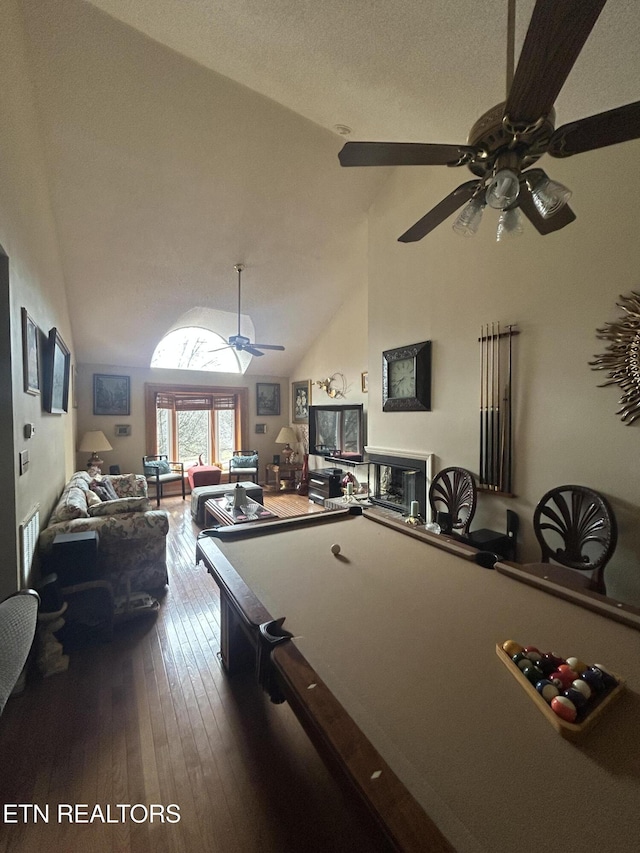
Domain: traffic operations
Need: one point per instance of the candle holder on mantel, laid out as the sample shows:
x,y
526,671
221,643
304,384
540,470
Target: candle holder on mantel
x,y
496,390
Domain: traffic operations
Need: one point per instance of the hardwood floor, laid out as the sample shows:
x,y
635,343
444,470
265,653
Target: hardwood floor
x,y
151,718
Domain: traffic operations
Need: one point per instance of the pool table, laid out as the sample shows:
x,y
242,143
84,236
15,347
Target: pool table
x,y
386,652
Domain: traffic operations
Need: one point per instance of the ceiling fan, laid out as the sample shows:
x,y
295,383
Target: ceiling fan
x,y
510,137
240,342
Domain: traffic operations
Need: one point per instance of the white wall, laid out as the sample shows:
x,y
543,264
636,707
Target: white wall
x,y
27,235
558,289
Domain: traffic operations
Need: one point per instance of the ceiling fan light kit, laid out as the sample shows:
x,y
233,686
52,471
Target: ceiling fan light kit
x,y
511,137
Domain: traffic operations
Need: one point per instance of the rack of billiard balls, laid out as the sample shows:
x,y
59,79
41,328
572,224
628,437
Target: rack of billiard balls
x,y
570,693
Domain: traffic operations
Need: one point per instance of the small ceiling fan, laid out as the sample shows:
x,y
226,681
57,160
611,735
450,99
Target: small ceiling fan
x,y
510,137
240,342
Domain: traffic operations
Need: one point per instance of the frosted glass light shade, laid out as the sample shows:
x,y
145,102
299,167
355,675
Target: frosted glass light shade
x,y
469,219
503,189
549,197
509,224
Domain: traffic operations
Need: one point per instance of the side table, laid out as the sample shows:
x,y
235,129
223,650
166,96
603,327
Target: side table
x,y
283,477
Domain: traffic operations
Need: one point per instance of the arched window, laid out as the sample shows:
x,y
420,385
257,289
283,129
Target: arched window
x,y
196,348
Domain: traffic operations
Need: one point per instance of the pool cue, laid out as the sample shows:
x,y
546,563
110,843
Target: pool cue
x,y
481,405
498,412
491,396
510,434
486,410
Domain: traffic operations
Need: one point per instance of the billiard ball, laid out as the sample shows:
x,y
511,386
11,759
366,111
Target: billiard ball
x,y
335,549
511,647
564,708
576,696
593,677
582,686
576,664
533,674
608,680
564,676
547,689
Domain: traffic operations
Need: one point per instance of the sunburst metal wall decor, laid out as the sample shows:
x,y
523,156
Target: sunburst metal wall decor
x,y
622,358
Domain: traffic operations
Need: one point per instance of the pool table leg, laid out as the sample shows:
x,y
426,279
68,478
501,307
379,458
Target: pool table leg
x,y
237,652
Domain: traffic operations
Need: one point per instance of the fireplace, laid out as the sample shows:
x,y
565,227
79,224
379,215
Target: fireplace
x,y
400,477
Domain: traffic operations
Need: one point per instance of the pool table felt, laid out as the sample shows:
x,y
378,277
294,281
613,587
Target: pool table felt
x,y
404,634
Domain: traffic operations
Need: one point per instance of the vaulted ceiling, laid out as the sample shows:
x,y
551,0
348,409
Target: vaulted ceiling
x,y
184,136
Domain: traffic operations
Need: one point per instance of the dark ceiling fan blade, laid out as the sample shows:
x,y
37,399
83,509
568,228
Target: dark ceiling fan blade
x,y
557,32
219,349
440,212
269,346
618,125
544,226
251,349
404,154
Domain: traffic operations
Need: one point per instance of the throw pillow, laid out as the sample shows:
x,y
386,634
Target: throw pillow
x,y
156,466
114,507
91,498
244,461
104,490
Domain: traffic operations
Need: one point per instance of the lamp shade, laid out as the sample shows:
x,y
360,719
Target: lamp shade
x,y
94,440
286,436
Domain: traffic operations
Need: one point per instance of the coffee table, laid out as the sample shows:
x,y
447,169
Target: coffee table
x,y
217,511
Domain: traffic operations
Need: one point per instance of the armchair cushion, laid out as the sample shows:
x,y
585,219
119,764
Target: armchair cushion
x,y
113,507
156,466
244,461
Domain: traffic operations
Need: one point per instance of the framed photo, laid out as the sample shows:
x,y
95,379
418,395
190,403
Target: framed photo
x,y
110,394
300,401
364,378
122,430
261,429
56,375
406,378
268,398
30,354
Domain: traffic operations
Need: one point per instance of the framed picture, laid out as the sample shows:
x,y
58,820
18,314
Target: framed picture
x,y
268,398
406,378
122,430
56,375
364,378
110,394
261,429
30,354
300,401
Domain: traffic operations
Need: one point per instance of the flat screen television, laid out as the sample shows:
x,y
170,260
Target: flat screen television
x,y
337,432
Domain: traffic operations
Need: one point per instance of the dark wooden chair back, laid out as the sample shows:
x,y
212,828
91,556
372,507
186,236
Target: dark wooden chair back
x,y
452,498
576,527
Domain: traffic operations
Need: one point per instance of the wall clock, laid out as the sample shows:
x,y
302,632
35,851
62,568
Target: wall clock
x,y
406,378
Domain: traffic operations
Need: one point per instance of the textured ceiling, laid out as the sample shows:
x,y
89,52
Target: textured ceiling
x,y
184,136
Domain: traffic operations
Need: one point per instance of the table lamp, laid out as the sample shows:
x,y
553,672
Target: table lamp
x,y
286,436
93,441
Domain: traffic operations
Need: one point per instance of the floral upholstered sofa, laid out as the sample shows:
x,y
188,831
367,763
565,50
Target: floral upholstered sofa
x,y
132,550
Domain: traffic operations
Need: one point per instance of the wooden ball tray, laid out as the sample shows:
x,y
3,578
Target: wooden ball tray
x,y
572,731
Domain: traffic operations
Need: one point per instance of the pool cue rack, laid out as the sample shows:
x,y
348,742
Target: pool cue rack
x,y
496,393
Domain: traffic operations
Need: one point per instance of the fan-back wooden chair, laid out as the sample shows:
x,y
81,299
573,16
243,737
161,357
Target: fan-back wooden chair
x,y
452,498
576,527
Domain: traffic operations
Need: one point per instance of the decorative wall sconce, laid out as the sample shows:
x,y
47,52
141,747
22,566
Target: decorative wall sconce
x,y
334,386
622,358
